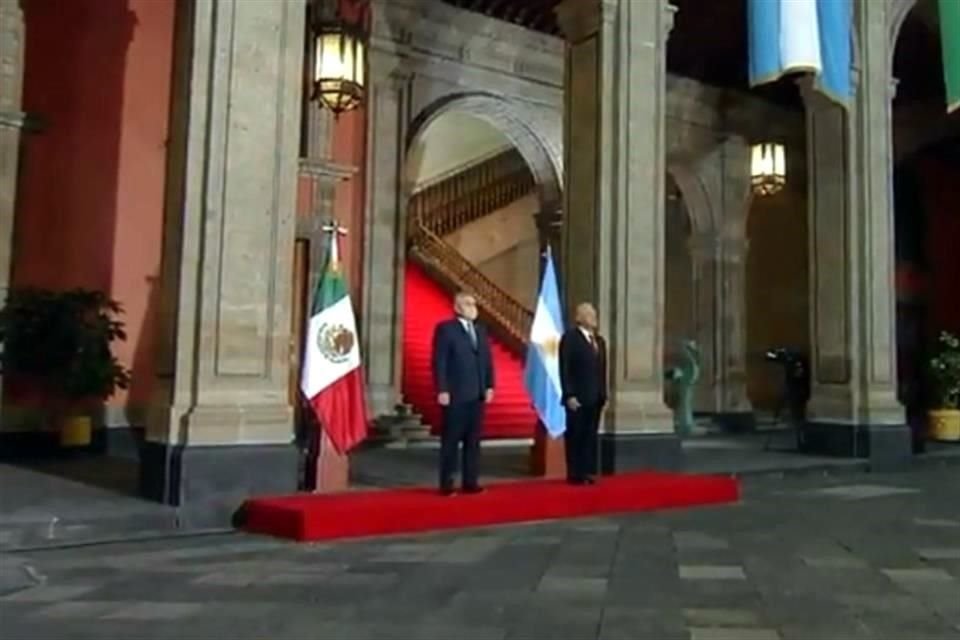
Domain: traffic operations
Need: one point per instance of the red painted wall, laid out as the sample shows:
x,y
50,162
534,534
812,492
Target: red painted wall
x,y
90,202
941,192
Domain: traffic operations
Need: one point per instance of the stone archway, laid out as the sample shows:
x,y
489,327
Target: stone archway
x,y
394,129
897,12
542,155
715,190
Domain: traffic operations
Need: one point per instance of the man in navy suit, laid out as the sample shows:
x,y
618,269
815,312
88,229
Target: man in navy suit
x,y
463,377
583,382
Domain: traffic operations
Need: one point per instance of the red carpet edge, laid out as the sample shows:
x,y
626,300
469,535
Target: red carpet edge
x,y
316,517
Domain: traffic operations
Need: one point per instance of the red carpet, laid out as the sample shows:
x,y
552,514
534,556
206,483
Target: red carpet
x,y
307,517
508,416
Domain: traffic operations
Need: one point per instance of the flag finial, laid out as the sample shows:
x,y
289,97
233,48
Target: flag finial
x,y
334,227
335,230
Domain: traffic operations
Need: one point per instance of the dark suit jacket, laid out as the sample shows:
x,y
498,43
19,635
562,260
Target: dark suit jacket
x,y
583,369
459,369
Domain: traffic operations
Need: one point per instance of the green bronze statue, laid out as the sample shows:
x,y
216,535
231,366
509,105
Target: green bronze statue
x,y
684,378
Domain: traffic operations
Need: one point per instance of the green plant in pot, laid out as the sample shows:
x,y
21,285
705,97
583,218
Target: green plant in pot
x,y
944,415
60,344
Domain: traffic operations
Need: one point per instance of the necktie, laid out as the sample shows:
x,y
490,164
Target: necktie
x,y
473,334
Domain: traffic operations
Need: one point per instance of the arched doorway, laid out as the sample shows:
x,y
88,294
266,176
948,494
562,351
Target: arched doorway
x,y
475,183
926,148
481,199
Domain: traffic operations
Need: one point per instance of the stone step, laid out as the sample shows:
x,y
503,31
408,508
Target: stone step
x,y
402,426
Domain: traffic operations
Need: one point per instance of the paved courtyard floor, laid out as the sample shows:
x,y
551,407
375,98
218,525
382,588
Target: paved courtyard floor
x,y
819,558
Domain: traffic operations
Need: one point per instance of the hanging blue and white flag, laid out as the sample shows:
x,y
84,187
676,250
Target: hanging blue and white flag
x,y
542,372
814,36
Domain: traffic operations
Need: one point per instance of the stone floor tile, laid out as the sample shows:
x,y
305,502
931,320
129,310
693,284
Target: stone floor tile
x,y
722,617
711,572
155,611
945,553
49,593
733,633
918,575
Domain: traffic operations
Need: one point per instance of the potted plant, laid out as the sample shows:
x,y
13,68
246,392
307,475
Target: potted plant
x,y
60,344
944,415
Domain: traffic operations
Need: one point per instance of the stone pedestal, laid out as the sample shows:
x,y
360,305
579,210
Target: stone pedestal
x,y
221,425
854,409
613,235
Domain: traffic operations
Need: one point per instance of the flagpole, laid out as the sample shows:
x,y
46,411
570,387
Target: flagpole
x,y
547,455
331,469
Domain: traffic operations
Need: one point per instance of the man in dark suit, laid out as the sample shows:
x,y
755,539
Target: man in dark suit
x,y
463,377
583,378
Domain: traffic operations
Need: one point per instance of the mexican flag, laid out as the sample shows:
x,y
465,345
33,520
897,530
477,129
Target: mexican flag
x,y
950,37
332,379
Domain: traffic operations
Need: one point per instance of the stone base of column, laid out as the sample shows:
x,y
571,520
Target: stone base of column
x,y
886,447
212,482
621,452
382,399
735,421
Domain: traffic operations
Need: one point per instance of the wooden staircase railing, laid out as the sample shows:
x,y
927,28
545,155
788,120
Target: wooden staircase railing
x,y
462,198
475,192
508,319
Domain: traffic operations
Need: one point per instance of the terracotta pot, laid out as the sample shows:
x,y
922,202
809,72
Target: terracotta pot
x,y
945,425
76,431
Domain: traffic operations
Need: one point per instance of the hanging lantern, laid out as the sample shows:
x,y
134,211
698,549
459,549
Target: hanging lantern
x,y
768,168
340,58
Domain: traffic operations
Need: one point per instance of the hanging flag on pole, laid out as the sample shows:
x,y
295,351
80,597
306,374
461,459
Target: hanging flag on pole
x,y
814,36
542,372
332,379
950,39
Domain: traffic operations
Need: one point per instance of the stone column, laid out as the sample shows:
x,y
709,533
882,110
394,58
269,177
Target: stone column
x,y
720,282
12,34
614,143
736,412
719,253
854,409
736,409
385,232
706,260
222,425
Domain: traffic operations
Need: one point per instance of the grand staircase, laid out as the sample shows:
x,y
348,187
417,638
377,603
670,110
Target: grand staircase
x,y
435,270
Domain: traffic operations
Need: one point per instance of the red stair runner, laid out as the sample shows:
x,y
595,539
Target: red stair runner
x,y
510,415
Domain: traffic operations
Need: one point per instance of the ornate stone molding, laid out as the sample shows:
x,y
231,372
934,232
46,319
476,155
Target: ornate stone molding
x,y
410,28
13,119
896,14
669,18
327,169
580,20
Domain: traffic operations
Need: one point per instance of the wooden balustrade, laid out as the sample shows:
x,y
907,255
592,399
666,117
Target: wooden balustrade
x,y
472,194
508,318
448,205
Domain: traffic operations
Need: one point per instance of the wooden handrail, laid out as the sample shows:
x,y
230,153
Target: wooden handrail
x,y
509,319
442,208
474,205
472,194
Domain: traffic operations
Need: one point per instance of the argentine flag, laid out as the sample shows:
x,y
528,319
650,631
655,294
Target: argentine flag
x,y
542,374
816,36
